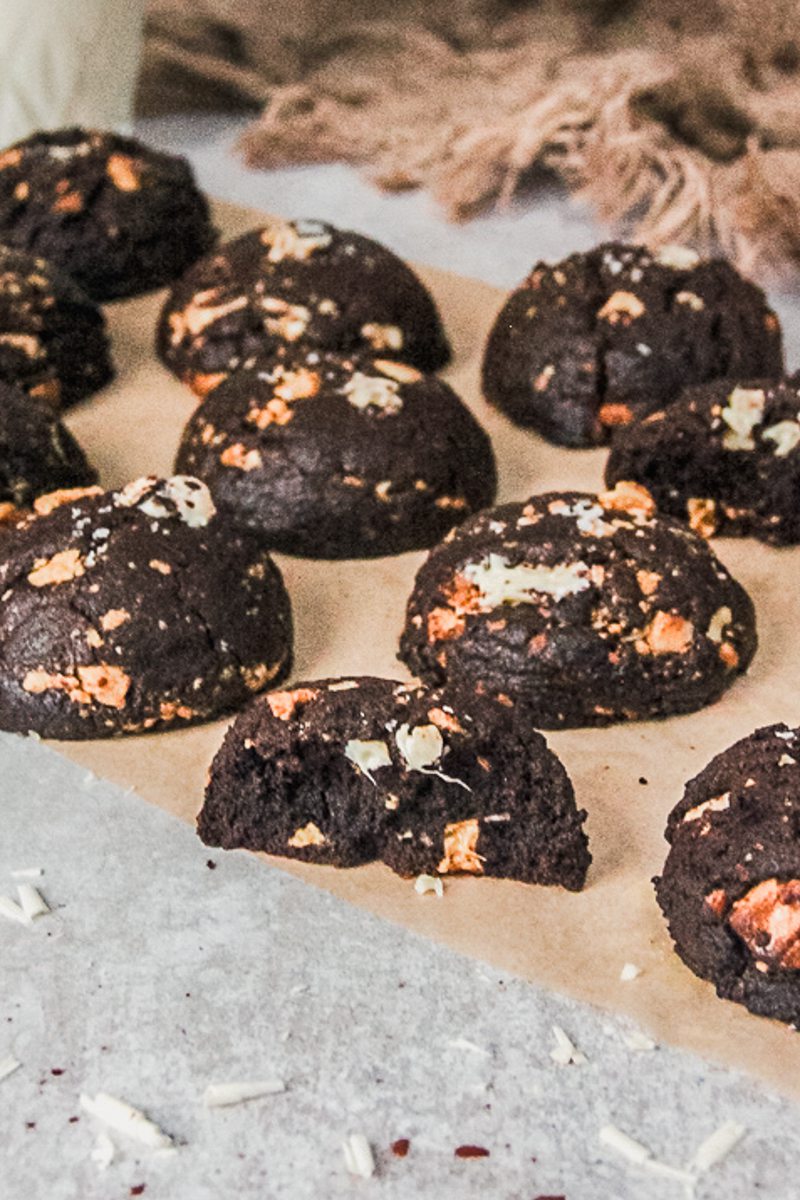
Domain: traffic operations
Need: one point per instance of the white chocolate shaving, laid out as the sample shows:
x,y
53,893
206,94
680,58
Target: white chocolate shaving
x,y
33,904
12,911
103,1151
623,1144
28,873
8,1066
220,1095
501,584
358,1156
565,1053
718,1145
123,1117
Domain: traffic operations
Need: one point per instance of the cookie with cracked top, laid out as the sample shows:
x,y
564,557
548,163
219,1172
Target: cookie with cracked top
x,y
135,610
37,454
730,888
585,347
117,216
53,341
346,771
299,282
725,456
337,457
580,610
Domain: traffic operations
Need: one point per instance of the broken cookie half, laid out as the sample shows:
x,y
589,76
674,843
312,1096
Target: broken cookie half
x,y
348,771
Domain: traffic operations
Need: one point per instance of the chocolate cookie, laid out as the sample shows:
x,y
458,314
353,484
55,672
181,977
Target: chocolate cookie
x,y
53,340
731,884
338,457
135,610
115,215
724,456
580,609
346,771
37,454
604,338
299,281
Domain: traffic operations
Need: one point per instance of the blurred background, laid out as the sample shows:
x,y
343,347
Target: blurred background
x,y
672,122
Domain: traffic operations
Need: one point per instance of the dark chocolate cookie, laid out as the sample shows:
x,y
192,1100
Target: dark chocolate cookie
x,y
37,454
115,215
334,457
581,609
724,456
135,610
604,338
731,884
347,771
299,281
53,341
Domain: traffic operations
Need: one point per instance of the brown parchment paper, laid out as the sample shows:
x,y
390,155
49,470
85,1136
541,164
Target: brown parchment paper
x,y
348,619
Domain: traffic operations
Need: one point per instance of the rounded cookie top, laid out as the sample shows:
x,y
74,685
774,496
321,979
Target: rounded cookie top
x,y
725,456
117,216
37,453
603,338
134,610
296,281
581,609
730,889
53,341
330,456
345,771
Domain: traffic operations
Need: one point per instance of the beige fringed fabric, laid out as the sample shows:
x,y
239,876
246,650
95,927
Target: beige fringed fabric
x,y
677,122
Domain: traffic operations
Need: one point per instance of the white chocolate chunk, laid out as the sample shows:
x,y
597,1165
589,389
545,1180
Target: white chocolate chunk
x,y
368,756
420,747
501,584
743,412
429,883
722,617
296,240
373,391
785,435
715,804
630,972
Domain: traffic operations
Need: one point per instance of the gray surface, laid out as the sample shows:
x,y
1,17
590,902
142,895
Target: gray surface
x,y
283,979
156,975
